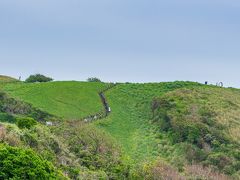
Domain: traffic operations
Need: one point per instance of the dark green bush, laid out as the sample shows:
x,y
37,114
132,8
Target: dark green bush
x,y
93,79
39,115
17,163
26,122
4,117
38,78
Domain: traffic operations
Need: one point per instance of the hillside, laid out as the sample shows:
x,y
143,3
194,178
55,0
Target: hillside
x,y
207,115
176,130
203,123
70,100
4,79
130,119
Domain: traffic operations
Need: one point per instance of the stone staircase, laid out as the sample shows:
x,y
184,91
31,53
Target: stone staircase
x,y
107,110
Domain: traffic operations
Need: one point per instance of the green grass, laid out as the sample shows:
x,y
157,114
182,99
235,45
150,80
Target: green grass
x,y
221,103
70,100
130,120
129,123
142,140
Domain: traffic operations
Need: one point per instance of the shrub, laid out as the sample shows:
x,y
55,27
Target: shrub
x,y
26,122
95,150
30,139
12,106
196,171
2,133
93,79
38,78
156,170
18,163
220,160
4,117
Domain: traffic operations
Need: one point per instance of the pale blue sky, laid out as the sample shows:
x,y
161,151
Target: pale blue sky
x,y
122,40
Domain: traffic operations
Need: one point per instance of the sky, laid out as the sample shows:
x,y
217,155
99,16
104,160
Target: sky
x,y
122,40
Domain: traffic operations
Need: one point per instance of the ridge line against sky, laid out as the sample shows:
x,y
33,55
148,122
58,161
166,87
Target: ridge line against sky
x,y
122,40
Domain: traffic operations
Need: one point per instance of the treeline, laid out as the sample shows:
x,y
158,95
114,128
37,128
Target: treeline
x,y
42,78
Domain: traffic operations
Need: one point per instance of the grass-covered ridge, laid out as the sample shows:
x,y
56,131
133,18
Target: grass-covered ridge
x,y
70,100
77,149
137,115
6,79
205,121
130,122
169,130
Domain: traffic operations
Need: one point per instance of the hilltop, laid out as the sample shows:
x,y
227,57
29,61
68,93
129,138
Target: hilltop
x,y
172,130
7,79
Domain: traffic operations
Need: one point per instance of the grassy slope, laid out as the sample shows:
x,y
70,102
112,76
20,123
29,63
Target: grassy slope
x,y
222,105
71,100
4,79
206,121
130,122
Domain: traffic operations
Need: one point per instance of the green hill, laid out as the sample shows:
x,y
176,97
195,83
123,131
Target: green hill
x,y
205,122
180,122
130,121
169,130
5,79
70,100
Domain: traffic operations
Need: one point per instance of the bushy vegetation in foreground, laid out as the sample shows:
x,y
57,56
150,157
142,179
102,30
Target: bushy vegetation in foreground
x,y
19,163
75,148
93,149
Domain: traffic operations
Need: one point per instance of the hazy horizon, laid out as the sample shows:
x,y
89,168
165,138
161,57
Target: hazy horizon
x,y
122,41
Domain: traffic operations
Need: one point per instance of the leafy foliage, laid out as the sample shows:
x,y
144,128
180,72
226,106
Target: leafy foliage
x,y
194,129
4,117
95,149
93,79
190,116
38,78
26,122
156,170
17,163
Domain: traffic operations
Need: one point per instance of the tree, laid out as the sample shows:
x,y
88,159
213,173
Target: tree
x,y
26,122
19,163
38,78
93,79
